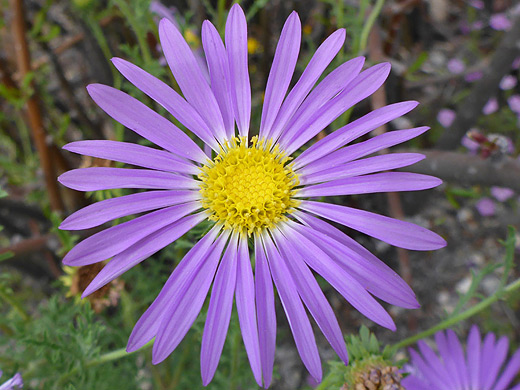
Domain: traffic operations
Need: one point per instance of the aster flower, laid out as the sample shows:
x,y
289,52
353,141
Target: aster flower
x,y
15,382
482,367
249,188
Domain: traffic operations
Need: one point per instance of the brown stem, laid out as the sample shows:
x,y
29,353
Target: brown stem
x,y
38,132
28,245
378,100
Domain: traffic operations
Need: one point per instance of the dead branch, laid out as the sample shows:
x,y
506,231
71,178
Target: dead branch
x,y
38,132
467,169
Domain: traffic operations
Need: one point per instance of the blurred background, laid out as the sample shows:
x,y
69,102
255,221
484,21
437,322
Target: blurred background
x,y
458,58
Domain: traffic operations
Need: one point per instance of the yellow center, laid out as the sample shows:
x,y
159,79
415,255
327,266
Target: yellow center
x,y
248,187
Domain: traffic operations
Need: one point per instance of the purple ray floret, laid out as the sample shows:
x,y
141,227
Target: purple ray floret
x,y
484,365
249,188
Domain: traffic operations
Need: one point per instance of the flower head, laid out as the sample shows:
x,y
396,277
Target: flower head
x,y
249,188
482,367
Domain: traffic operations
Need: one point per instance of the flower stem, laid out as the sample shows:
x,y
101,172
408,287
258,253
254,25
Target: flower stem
x,y
107,357
15,305
459,317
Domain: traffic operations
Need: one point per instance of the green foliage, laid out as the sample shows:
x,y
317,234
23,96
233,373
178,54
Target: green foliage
x,y
54,349
364,351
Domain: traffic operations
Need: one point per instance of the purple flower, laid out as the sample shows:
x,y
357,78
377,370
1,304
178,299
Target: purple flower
x,y
456,66
470,144
516,63
514,103
501,193
482,367
15,382
473,76
500,22
478,4
508,82
490,107
250,190
446,117
486,207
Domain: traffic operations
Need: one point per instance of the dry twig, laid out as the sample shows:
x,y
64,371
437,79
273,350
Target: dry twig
x,y
38,132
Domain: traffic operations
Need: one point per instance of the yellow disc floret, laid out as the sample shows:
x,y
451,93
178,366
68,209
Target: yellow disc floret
x,y
248,187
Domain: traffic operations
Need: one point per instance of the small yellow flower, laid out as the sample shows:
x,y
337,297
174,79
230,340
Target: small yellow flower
x,y
253,46
192,38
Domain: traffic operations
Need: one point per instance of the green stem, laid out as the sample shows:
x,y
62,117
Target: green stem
x,y
221,9
15,305
105,358
460,317
340,12
369,24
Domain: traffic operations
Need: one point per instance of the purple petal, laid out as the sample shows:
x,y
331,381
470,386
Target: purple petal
x,y
500,22
379,279
341,280
134,154
144,121
508,82
486,207
219,312
424,368
457,354
449,362
501,193
185,304
148,325
498,358
218,65
312,296
190,78
294,310
361,87
320,60
362,167
116,239
281,72
15,382
98,213
265,312
353,131
456,66
168,98
378,182
446,117
245,301
510,372
436,372
487,355
473,357
327,89
490,107
236,46
362,149
142,250
412,382
101,178
393,231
